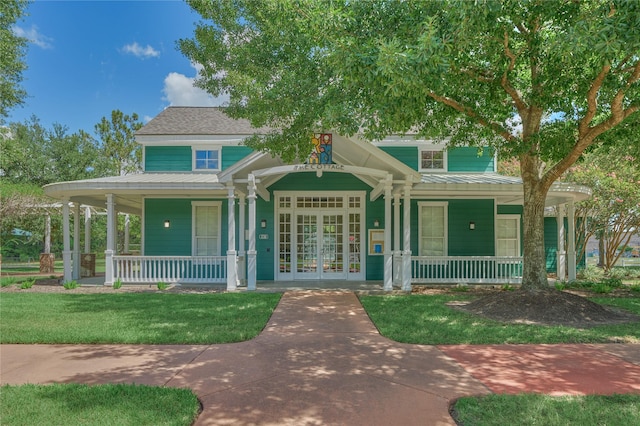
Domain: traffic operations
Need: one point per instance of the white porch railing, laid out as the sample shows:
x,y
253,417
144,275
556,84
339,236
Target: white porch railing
x,y
170,269
466,270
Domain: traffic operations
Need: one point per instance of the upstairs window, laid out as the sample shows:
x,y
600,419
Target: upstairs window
x,y
433,160
206,159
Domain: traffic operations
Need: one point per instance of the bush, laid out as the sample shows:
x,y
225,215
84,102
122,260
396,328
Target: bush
x,y
591,273
70,285
27,284
635,287
117,284
7,281
162,285
560,285
602,288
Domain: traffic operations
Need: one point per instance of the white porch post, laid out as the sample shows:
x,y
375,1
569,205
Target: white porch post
x,y
397,251
232,259
242,265
251,252
127,223
561,255
111,241
571,217
87,230
66,241
388,258
406,253
75,273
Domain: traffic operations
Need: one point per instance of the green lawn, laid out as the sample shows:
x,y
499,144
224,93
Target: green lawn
x,y
426,320
532,410
136,318
117,405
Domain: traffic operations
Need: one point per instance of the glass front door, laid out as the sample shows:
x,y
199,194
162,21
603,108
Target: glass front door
x,y
320,246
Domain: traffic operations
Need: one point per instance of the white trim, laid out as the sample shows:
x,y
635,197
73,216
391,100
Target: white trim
x,y
218,205
187,140
518,219
196,148
445,205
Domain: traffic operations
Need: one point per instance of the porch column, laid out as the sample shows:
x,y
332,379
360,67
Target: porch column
x,y
397,251
66,241
571,255
388,258
251,252
242,265
75,275
87,230
406,253
111,241
232,257
561,255
127,223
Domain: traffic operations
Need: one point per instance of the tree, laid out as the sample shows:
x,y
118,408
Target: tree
x,y
613,213
12,52
538,80
118,142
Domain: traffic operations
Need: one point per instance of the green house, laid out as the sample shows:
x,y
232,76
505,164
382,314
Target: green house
x,y
400,211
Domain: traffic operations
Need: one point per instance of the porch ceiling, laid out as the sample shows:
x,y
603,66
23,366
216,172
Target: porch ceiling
x,y
130,190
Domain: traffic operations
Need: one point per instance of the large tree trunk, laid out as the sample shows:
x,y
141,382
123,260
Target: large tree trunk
x,y
534,274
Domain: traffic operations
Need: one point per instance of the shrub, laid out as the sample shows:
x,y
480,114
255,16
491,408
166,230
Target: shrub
x,y
162,285
560,285
117,284
507,287
70,285
635,287
7,281
27,284
591,273
619,273
602,288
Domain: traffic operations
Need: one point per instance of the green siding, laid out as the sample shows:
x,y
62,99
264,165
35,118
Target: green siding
x,y
233,154
167,159
551,243
509,209
265,248
406,154
176,240
466,159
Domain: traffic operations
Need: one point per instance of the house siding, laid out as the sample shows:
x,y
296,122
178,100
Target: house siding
x,y
232,154
167,159
463,159
177,239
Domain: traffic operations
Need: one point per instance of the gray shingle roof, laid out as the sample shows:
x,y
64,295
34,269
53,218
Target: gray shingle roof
x,y
196,121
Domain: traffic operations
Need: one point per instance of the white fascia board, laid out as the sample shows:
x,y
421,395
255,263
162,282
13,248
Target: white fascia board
x,y
409,140
188,140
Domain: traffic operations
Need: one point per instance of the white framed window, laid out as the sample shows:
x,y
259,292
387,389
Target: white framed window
x,y
432,223
206,228
508,235
206,158
432,159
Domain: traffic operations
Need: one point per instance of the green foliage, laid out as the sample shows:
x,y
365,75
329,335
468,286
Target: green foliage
x,y
162,285
27,284
507,287
117,284
8,281
536,409
635,287
118,142
109,404
12,60
560,285
70,285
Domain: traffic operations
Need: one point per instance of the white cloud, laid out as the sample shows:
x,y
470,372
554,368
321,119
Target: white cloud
x,y
141,52
33,35
179,90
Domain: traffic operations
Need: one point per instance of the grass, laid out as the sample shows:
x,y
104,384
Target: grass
x,y
426,320
113,404
530,409
135,318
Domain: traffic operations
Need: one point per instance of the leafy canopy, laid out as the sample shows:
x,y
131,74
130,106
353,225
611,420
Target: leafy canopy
x,y
536,78
12,52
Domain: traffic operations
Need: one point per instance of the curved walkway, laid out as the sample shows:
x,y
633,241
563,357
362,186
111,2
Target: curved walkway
x,y
320,361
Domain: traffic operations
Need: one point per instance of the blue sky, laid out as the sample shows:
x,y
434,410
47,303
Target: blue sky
x,y
87,58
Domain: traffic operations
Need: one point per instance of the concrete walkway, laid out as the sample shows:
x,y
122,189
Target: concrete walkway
x,y
320,361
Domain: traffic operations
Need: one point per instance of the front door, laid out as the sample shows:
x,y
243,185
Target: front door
x,y
320,249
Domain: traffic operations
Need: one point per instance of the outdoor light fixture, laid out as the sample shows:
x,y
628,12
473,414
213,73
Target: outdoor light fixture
x,y
472,225
376,223
167,224
263,223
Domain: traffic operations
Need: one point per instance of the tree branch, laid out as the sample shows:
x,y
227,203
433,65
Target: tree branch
x,y
496,127
592,101
504,82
